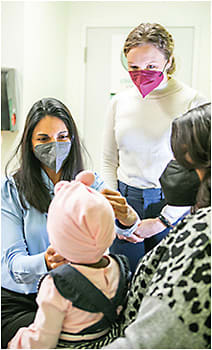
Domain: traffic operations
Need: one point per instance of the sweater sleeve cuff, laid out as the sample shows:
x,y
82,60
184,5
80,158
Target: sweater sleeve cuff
x,y
126,231
172,213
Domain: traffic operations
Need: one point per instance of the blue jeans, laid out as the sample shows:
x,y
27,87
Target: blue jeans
x,y
148,203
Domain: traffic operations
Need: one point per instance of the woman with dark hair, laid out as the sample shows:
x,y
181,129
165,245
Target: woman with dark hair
x,y
50,151
191,146
169,300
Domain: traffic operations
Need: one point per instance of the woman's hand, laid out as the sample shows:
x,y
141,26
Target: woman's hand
x,y
149,227
126,215
53,259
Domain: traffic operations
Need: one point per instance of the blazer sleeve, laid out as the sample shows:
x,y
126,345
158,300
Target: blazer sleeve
x,y
22,267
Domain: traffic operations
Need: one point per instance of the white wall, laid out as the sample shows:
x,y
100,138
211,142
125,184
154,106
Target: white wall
x,y
45,50
12,55
34,38
46,41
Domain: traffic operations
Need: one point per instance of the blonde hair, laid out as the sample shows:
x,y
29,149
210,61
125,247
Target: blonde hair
x,y
154,34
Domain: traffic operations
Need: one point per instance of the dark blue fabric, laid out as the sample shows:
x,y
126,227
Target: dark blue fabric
x,y
148,203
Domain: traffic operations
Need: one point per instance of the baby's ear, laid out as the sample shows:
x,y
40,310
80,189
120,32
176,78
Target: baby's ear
x,y
59,185
86,177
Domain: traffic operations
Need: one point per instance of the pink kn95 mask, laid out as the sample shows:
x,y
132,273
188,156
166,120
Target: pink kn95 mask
x,y
146,80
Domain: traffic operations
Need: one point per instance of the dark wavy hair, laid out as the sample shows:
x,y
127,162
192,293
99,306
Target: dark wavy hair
x,y
191,136
155,34
28,176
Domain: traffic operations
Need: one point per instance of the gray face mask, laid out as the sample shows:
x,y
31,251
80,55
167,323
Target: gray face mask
x,y
53,154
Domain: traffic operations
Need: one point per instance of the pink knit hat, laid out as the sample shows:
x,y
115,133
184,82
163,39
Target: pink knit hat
x,y
80,221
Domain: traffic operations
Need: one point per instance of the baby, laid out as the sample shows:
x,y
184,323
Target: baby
x,y
79,300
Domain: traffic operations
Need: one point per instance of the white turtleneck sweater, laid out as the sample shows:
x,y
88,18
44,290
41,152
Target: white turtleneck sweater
x,y
136,147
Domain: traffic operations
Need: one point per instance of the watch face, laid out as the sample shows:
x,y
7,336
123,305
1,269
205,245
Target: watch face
x,y
124,61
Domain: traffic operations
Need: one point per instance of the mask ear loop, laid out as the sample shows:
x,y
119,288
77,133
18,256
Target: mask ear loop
x,y
164,68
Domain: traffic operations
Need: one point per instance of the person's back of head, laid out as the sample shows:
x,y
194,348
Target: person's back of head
x,y
191,146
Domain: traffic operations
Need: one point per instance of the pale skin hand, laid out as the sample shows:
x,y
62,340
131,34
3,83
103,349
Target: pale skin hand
x,y
53,259
149,227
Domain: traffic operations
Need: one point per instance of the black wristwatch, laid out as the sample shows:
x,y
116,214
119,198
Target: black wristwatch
x,y
165,221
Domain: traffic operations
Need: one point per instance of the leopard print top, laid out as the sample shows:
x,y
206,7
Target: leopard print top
x,y
178,271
